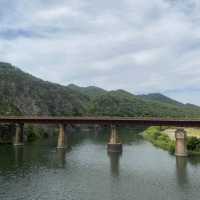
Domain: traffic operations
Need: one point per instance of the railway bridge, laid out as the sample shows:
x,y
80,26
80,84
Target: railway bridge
x,y
114,144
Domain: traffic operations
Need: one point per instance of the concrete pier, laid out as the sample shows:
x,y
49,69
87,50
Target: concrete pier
x,y
181,142
114,144
61,137
19,135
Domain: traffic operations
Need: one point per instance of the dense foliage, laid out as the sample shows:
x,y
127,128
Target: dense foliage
x,y
90,91
7,108
193,144
122,103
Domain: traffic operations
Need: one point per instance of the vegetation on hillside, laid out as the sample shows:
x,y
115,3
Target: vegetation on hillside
x,y
7,108
33,96
90,91
122,103
160,99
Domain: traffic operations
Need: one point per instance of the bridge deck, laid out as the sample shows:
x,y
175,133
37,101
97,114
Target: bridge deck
x,y
101,120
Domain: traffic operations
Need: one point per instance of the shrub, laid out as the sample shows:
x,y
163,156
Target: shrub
x,y
193,144
31,135
172,147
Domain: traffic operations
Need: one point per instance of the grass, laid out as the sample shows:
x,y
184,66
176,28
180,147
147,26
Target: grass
x,y
156,136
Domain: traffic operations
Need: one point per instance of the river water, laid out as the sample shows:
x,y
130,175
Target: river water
x,y
87,172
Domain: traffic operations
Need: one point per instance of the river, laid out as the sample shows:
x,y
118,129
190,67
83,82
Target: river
x,y
87,172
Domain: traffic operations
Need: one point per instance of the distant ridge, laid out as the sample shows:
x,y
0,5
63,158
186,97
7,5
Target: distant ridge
x,y
24,94
160,98
91,91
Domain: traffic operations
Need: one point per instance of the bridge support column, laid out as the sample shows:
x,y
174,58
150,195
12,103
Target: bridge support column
x,y
19,135
114,144
61,137
181,142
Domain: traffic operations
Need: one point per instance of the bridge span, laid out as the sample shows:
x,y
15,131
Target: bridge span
x,y
114,143
101,121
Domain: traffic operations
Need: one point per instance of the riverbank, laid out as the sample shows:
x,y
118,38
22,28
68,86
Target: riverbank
x,y
156,136
164,138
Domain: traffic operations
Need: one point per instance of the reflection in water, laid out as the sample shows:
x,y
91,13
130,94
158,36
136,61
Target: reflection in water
x,y
19,155
181,170
114,162
96,130
194,160
87,172
60,157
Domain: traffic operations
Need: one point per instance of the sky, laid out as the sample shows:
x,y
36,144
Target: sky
x,y
137,45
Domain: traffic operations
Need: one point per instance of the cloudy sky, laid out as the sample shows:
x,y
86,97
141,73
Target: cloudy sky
x,y
138,45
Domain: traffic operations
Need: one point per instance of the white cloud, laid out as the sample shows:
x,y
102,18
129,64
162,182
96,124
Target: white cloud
x,y
54,13
143,46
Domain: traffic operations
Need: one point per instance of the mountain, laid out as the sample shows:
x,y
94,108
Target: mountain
x,y
24,94
90,91
121,103
160,98
29,95
164,100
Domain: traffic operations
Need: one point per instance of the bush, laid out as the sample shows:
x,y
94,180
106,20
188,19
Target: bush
x,y
193,144
172,147
153,132
163,137
31,135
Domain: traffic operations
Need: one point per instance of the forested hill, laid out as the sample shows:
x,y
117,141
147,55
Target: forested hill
x,y
29,95
24,94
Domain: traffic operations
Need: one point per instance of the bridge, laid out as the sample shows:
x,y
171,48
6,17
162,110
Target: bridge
x,y
114,143
100,120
